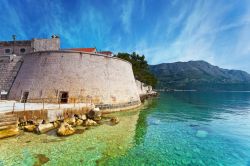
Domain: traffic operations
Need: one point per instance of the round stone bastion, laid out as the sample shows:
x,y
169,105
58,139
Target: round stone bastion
x,y
72,77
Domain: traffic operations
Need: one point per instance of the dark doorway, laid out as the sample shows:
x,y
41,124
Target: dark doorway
x,y
25,97
63,97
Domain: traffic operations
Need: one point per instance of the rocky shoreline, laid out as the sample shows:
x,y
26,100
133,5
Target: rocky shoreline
x,y
64,121
63,127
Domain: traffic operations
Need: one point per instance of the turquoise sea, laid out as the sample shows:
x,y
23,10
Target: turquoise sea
x,y
178,128
192,128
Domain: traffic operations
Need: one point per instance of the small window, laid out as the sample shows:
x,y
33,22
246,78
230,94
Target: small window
x,y
22,50
63,97
7,51
25,97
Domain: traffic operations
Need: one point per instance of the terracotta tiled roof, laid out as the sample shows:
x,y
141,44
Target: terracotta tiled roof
x,y
84,49
105,52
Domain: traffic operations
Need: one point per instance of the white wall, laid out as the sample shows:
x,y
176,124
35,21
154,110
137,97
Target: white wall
x,y
104,79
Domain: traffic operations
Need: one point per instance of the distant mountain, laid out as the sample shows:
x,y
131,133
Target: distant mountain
x,y
199,75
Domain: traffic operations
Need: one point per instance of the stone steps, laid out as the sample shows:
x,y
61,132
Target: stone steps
x,y
8,127
7,115
8,123
9,132
7,119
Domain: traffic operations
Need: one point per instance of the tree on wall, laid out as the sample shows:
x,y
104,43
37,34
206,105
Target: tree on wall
x,y
140,67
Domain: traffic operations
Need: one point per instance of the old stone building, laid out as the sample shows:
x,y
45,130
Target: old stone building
x,y
38,70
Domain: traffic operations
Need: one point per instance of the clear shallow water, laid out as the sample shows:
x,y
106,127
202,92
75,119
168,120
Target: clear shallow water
x,y
179,128
192,128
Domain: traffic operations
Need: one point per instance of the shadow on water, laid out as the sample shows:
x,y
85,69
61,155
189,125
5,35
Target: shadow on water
x,y
141,126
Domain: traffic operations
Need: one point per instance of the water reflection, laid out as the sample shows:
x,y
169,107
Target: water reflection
x,y
192,128
142,124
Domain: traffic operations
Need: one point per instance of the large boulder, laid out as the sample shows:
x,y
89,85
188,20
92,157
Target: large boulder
x,y
79,122
43,128
114,120
90,122
65,129
94,114
9,132
83,117
71,121
56,123
29,128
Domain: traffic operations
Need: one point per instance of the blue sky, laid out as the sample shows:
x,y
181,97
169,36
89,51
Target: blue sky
x,y
217,31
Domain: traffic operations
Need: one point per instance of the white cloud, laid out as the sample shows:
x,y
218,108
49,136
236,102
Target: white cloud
x,y
200,37
127,9
12,14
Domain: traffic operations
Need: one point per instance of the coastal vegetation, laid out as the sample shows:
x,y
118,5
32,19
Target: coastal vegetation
x,y
140,67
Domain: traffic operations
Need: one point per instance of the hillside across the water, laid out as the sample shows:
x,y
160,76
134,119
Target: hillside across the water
x,y
199,75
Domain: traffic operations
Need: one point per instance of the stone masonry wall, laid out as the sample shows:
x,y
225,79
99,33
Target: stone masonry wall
x,y
45,44
9,67
104,80
142,88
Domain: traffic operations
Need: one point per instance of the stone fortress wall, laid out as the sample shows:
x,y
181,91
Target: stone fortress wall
x,y
23,47
39,71
9,67
11,53
142,88
102,79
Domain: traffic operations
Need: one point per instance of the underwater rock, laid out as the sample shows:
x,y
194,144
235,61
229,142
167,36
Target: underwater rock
x,y
194,125
201,133
90,122
41,159
114,120
43,128
65,129
154,121
79,122
29,128
79,131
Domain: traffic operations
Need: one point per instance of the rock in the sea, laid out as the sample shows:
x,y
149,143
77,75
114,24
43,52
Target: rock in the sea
x,y
201,133
90,122
43,128
29,128
79,122
70,121
114,120
65,129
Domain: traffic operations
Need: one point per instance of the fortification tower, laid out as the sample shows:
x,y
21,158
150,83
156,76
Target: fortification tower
x,y
11,58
